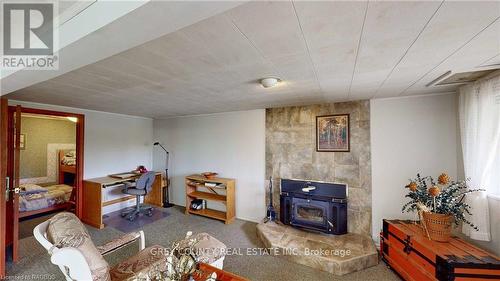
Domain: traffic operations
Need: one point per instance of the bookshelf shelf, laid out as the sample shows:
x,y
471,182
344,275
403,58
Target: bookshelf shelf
x,y
212,193
207,196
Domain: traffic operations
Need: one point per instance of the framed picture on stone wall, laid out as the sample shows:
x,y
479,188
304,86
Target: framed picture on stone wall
x,y
332,133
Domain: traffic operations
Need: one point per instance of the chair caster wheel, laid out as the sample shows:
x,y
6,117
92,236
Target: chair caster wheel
x,y
149,214
123,215
131,219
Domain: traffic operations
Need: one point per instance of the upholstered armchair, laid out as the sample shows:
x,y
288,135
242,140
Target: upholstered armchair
x,y
68,243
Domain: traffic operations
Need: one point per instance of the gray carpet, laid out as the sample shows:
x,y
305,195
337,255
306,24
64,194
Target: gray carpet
x,y
116,221
240,234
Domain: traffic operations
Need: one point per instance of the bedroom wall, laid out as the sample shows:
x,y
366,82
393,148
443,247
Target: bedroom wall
x,y
113,142
39,132
410,135
231,144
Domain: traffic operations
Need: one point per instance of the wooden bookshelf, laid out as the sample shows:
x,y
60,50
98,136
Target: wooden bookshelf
x,y
210,213
222,193
207,196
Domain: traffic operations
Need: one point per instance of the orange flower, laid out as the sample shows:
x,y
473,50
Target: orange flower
x,y
434,191
443,179
412,186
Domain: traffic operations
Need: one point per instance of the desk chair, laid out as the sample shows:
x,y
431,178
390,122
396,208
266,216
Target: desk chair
x,y
140,188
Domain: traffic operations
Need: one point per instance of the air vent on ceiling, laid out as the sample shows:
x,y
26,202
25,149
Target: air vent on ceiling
x,y
461,77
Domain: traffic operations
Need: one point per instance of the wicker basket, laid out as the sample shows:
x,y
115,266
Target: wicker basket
x,y
437,226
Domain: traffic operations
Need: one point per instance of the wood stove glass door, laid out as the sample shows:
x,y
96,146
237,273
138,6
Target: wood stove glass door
x,y
309,213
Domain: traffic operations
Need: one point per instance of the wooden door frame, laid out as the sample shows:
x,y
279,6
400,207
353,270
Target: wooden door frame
x,y
80,134
4,112
16,155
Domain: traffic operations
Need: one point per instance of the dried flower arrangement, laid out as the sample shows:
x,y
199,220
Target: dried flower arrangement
x,y
181,265
443,201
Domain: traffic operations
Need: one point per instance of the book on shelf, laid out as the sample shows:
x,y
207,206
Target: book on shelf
x,y
213,185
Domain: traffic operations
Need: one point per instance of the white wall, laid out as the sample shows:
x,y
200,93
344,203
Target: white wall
x,y
232,144
113,142
408,136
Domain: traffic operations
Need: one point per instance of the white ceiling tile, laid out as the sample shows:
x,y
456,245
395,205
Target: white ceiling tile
x,y
271,26
331,23
334,68
215,64
223,40
159,63
133,68
483,47
492,61
294,67
385,39
454,25
332,31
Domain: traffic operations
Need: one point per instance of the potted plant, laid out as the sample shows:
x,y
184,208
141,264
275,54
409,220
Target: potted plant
x,y
438,205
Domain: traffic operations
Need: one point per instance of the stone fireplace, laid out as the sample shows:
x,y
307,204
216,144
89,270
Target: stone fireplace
x,y
312,205
291,154
324,205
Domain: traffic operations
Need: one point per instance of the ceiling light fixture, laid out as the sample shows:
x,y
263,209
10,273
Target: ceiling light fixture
x,y
269,82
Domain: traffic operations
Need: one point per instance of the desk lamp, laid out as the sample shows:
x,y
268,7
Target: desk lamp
x,y
166,203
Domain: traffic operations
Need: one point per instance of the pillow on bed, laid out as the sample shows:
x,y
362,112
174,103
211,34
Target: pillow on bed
x,y
70,154
29,188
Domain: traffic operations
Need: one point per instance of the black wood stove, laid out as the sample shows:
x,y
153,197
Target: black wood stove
x,y
314,205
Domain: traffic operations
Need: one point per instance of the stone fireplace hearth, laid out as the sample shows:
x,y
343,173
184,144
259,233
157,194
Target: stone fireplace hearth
x,y
336,254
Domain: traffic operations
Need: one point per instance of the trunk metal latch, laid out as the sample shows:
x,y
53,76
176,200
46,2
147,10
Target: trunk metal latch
x,y
407,243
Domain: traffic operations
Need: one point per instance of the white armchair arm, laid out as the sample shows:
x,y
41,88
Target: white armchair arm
x,y
123,241
72,263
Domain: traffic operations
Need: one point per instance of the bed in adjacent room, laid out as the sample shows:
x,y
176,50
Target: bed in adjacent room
x,y
36,199
67,164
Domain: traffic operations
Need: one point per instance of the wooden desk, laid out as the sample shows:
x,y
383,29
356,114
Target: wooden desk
x,y
93,201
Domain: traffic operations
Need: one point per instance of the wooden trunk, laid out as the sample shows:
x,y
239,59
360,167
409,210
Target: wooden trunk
x,y
413,256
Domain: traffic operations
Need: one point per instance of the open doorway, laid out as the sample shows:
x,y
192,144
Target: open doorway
x,y
47,168
45,163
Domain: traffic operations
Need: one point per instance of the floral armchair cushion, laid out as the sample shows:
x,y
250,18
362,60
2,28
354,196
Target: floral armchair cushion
x,y
119,242
141,266
207,249
66,230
